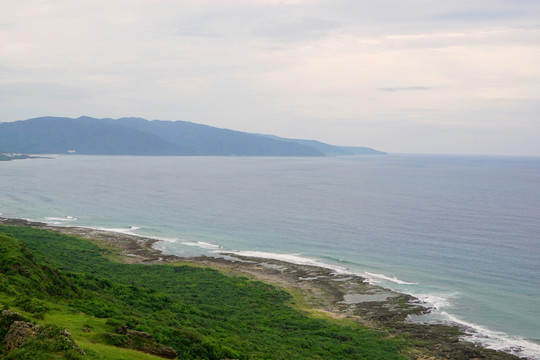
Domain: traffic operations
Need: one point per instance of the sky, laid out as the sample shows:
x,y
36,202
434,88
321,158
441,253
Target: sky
x,y
416,76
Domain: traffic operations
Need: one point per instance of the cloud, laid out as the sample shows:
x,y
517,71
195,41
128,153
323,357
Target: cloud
x,y
478,15
303,29
408,88
198,31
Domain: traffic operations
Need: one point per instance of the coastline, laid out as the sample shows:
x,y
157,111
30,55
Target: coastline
x,y
317,290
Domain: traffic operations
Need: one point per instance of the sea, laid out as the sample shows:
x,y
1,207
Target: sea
x,y
461,233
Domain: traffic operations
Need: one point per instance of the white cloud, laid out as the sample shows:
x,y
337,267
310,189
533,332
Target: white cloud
x,y
305,28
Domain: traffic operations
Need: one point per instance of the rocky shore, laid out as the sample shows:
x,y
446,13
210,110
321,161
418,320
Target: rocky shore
x,y
317,290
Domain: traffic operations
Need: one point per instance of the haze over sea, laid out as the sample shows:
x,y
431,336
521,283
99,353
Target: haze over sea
x,y
460,232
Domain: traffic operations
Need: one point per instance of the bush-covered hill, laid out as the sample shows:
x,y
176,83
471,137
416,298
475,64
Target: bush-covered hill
x,y
76,304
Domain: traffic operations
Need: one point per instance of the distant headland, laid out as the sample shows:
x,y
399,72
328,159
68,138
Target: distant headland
x,y
12,156
137,136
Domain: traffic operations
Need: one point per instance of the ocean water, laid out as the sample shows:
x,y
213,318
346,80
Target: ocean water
x,y
461,233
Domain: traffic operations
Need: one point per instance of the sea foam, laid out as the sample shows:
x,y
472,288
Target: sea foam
x,y
441,304
375,278
202,245
496,340
52,220
128,231
290,258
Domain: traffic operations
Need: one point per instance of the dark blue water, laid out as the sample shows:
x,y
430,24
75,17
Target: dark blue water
x,y
462,233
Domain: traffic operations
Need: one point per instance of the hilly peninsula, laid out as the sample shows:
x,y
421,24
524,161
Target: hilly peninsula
x,y
137,136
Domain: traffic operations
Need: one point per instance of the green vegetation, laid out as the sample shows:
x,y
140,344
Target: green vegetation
x,y
123,311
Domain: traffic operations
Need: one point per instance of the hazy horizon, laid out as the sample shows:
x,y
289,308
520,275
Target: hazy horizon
x,y
418,77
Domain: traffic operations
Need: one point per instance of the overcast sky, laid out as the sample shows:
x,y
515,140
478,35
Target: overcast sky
x,y
416,76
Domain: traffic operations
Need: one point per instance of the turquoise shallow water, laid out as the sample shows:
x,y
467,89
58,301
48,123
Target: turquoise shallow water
x,y
461,233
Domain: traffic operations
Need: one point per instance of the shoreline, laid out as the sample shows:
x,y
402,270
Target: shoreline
x,y
317,290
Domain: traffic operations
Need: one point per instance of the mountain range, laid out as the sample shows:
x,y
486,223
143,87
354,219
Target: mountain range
x,y
137,136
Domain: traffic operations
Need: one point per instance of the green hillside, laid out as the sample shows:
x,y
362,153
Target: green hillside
x,y
76,304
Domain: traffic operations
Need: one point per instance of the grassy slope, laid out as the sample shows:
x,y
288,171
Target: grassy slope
x,y
200,312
